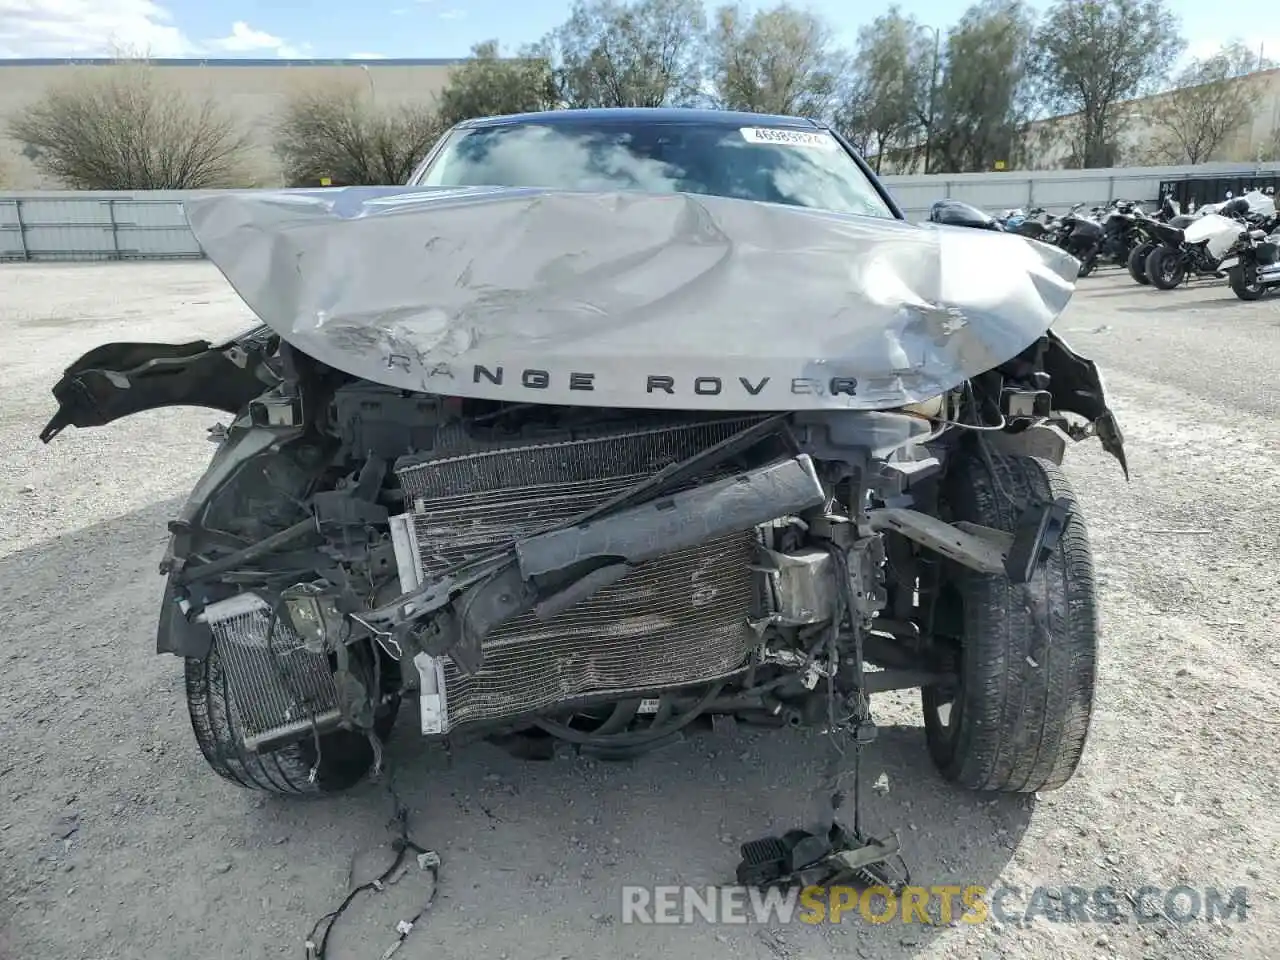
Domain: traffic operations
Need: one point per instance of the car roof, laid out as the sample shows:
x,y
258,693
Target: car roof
x,y
689,115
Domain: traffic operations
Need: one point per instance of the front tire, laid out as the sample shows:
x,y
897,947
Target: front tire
x,y
345,757
1138,263
1165,267
1243,290
1018,717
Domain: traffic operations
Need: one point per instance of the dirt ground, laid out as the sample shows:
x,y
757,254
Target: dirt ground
x,y
116,840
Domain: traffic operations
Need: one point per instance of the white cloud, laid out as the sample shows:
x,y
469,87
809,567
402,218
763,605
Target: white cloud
x,y
244,39
103,28
86,28
453,15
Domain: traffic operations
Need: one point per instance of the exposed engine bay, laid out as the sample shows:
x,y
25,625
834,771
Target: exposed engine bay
x,y
584,571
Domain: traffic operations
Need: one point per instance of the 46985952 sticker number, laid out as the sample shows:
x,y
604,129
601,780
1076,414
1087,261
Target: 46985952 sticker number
x,y
789,138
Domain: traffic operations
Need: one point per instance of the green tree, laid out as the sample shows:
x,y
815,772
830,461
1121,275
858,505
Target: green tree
x,y
1095,54
983,98
489,85
779,60
894,66
643,53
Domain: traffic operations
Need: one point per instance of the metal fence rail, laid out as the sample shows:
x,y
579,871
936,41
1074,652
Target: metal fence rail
x,y
150,225
88,226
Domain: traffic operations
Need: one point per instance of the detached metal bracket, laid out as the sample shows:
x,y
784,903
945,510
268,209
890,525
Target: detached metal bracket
x,y
984,549
979,548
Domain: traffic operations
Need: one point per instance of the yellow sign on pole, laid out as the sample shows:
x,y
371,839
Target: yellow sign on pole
x,y
999,164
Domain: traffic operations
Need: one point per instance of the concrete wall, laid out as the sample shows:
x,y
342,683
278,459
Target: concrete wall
x,y
253,90
69,225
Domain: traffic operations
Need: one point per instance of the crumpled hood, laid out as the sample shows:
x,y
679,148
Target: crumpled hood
x,y
630,299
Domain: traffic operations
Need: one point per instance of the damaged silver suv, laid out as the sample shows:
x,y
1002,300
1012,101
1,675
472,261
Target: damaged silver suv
x,y
611,421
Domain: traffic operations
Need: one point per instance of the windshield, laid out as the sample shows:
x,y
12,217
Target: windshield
x,y
806,168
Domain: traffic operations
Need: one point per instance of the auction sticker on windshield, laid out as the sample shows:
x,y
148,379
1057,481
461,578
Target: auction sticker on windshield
x,y
789,138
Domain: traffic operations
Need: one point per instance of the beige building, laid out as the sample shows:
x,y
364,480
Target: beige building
x,y
253,89
1257,139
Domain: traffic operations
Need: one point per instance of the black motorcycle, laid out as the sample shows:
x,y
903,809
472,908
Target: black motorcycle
x,y
1082,237
1116,238
957,213
1038,224
1146,237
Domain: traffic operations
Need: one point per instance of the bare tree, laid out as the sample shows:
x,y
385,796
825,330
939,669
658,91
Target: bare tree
x,y
643,53
984,99
779,60
894,64
489,85
340,134
1095,54
122,128
1212,99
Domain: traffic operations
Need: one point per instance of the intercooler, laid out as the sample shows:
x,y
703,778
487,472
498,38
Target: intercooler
x,y
679,620
279,688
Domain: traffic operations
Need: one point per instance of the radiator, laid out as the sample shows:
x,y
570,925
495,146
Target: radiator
x,y
680,620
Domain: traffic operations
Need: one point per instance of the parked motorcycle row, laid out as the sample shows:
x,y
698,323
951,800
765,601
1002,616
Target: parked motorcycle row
x,y
1238,239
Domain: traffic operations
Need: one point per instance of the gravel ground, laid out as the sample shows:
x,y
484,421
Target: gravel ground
x,y
116,841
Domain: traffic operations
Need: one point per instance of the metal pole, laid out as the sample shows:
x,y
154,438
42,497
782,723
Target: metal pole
x,y
22,229
115,228
933,90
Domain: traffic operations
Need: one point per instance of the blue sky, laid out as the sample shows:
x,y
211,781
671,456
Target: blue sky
x,y
421,28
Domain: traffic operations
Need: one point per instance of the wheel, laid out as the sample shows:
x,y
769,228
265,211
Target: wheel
x,y
1018,716
1165,267
1243,290
1138,262
1087,264
346,756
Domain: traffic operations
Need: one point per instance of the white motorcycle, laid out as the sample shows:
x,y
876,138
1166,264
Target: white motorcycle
x,y
1198,249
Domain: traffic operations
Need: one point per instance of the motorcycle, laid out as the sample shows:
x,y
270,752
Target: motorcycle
x,y
957,213
1113,243
1038,224
1146,239
1012,219
1080,236
1198,249
1254,267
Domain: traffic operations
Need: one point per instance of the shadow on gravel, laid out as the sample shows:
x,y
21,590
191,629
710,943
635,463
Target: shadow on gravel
x,y
535,854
